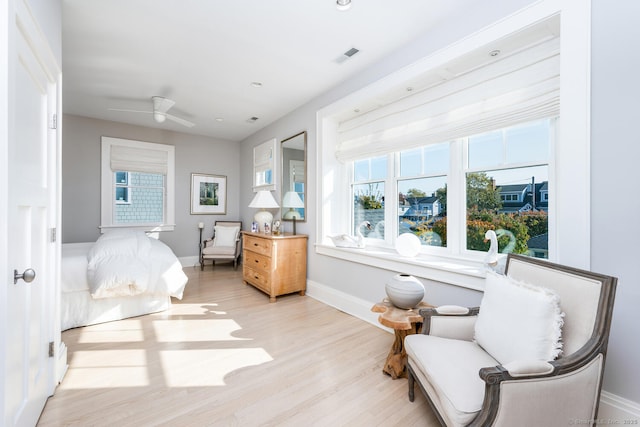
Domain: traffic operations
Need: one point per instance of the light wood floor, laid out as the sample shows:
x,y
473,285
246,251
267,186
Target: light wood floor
x,y
225,356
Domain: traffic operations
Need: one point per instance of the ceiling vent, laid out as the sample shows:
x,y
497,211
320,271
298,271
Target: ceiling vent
x,y
348,54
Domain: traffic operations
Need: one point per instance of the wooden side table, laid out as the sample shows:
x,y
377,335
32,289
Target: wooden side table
x,y
404,322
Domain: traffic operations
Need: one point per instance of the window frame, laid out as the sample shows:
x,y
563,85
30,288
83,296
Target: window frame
x,y
569,231
108,186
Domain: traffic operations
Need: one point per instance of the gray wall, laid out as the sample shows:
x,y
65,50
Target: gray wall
x,y
613,199
366,282
615,205
81,178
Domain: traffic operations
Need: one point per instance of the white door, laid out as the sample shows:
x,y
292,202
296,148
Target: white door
x,y
31,214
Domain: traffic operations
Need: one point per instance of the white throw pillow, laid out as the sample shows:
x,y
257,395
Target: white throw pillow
x,y
225,236
518,321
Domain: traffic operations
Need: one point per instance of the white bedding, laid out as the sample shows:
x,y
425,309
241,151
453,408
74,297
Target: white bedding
x,y
126,263
79,308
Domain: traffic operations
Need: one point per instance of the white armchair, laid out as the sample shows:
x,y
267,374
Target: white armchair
x,y
225,244
504,363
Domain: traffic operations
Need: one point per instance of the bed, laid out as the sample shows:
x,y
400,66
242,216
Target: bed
x,y
123,274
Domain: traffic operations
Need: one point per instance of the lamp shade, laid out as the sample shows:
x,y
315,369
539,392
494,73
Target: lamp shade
x,y
292,200
263,200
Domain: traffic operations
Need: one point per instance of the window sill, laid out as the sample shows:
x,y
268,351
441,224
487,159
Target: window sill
x,y
455,271
146,228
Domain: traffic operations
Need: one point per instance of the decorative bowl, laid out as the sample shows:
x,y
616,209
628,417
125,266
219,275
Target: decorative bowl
x,y
404,291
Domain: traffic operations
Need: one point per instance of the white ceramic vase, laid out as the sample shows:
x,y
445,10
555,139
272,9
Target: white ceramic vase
x,y
404,291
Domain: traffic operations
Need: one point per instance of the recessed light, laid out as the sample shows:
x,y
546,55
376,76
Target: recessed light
x,y
409,89
256,84
494,52
219,119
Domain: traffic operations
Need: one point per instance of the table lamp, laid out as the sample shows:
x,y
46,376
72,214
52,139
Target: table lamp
x,y
263,200
292,201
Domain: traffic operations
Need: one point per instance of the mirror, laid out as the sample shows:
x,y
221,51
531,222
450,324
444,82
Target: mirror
x,y
294,183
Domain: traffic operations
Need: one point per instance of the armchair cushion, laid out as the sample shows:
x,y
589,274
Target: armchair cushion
x,y
518,321
225,236
451,367
219,251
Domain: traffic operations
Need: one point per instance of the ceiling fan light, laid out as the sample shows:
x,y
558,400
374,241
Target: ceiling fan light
x,y
159,117
343,4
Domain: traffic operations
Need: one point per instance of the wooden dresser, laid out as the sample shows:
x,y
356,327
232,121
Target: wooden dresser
x,y
277,265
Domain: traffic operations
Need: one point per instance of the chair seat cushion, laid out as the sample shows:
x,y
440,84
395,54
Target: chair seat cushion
x,y
219,250
451,367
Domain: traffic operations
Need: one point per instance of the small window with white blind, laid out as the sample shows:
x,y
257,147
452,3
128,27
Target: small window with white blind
x,y
137,185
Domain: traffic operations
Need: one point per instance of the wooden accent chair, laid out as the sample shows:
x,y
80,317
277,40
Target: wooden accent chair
x,y
467,385
225,244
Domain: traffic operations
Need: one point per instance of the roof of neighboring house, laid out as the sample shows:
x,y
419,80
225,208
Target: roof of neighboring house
x,y
540,241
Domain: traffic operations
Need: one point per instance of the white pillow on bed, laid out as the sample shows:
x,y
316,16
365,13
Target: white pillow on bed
x,y
518,321
225,236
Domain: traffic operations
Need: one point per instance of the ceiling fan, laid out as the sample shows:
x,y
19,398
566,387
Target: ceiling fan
x,y
160,107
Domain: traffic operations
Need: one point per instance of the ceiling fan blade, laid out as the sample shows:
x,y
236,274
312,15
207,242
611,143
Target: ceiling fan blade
x,y
162,105
179,120
130,111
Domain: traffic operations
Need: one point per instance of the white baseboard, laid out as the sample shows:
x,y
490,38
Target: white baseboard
x,y
344,302
189,261
618,410
613,409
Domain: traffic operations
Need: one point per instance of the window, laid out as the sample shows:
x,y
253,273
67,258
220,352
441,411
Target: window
x,y
422,194
443,109
137,185
505,173
122,187
140,200
368,192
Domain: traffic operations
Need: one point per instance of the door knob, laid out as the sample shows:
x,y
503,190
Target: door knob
x,y
28,275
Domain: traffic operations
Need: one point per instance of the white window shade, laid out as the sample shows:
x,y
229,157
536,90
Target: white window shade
x,y
137,159
522,87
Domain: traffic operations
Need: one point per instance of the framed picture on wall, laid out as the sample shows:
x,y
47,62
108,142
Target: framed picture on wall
x,y
208,194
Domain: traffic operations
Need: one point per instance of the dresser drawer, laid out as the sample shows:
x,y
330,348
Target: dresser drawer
x,y
256,244
259,279
257,261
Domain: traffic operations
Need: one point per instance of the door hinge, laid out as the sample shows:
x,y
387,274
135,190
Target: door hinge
x,y
54,235
51,349
54,122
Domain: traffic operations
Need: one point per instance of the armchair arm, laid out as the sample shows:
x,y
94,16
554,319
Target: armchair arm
x,y
207,243
450,321
528,368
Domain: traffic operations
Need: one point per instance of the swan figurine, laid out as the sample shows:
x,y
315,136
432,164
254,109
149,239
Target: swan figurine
x,y
347,241
491,260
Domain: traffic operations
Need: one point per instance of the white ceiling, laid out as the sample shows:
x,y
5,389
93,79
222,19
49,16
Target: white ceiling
x,y
204,55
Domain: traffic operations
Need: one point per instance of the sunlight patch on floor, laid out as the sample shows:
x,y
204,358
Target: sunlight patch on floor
x,y
212,365
107,368
190,330
191,310
126,331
